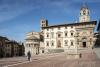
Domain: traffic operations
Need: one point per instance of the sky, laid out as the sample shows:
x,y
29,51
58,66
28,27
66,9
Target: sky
x,y
18,17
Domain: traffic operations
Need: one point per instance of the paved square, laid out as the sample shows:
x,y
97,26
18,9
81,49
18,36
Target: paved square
x,y
89,59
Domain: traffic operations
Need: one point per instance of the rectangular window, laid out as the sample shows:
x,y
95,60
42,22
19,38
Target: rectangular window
x,y
47,29
42,21
52,44
71,43
52,35
71,34
29,45
58,28
71,26
65,27
47,43
47,35
65,34
66,42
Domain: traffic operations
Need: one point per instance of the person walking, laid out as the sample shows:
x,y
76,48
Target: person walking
x,y
29,56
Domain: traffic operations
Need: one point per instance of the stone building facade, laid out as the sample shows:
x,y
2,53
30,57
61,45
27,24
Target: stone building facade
x,y
85,34
32,43
9,48
65,37
62,37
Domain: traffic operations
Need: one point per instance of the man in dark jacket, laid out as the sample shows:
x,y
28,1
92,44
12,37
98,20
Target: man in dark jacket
x,y
29,55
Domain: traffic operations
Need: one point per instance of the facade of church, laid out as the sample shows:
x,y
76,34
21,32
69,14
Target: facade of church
x,y
32,43
64,37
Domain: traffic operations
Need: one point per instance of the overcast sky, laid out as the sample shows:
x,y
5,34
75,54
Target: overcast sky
x,y
17,17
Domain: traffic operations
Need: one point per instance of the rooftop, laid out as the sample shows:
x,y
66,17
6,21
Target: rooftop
x,y
73,24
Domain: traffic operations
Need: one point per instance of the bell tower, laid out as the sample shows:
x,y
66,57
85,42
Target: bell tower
x,y
84,14
43,23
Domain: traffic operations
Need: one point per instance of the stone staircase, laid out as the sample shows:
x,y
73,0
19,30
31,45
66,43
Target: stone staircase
x,y
55,50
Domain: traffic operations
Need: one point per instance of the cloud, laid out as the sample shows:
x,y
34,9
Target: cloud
x,y
9,9
55,10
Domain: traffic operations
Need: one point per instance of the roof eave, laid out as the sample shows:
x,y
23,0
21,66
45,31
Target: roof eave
x,y
94,22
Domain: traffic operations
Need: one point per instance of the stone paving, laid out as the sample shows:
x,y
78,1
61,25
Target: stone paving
x,y
89,59
21,60
13,60
97,51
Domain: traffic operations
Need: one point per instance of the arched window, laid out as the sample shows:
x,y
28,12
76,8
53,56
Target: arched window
x,y
59,35
47,43
52,43
72,33
66,43
84,12
72,42
58,28
66,33
47,35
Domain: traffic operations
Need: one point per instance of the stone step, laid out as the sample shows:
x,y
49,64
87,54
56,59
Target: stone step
x,y
55,50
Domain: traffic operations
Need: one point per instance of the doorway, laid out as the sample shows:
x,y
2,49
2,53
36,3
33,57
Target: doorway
x,y
84,44
59,44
